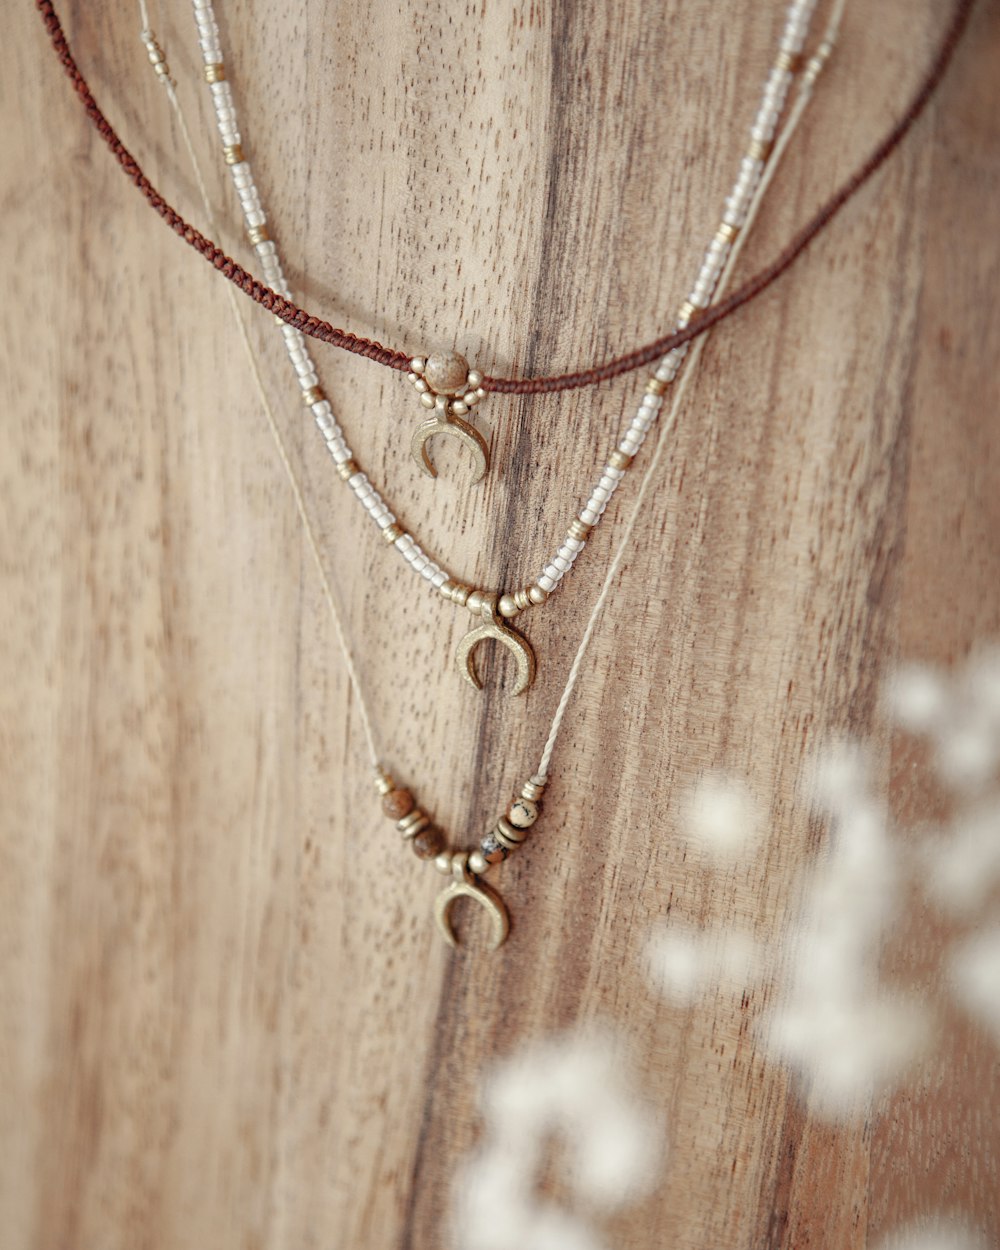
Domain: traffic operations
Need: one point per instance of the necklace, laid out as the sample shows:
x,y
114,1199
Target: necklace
x,y
466,868
494,609
315,327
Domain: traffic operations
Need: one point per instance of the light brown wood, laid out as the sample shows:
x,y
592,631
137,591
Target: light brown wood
x,y
228,1020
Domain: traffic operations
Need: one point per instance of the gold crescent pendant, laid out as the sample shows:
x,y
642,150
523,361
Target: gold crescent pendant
x,y
467,434
465,885
493,627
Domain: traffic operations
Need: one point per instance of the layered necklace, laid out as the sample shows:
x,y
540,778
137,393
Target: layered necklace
x,y
450,389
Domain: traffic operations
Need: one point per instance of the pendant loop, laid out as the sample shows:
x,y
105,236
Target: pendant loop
x,y
465,885
495,628
448,386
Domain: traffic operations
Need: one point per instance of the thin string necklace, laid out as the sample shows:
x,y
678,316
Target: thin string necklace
x,y
466,868
494,609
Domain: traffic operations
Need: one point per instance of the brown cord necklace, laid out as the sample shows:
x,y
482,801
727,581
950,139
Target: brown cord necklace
x,y
316,327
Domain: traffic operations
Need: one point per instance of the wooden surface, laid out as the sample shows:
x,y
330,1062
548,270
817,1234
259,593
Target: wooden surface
x,y
227,1018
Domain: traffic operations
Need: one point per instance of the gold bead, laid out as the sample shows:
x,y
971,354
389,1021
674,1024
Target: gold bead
x,y
532,790
789,61
348,469
477,863
475,602
758,151
392,533
413,823
727,232
233,153
258,234
215,72
536,594
656,386
427,400
619,459
442,863
418,364
446,372
507,835
383,782
580,529
475,378
508,606
457,408
687,311
312,395
522,599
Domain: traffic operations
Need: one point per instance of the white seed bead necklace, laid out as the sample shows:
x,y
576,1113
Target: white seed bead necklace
x,y
496,607
464,867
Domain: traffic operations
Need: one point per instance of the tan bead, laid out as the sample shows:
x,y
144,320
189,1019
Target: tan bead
x,y
446,372
398,803
428,844
522,813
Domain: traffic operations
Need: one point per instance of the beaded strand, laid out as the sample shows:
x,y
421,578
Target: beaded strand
x,y
510,603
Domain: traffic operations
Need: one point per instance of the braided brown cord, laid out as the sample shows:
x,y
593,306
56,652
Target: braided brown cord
x,y
316,328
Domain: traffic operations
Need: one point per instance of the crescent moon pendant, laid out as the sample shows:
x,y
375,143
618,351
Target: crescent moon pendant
x,y
467,434
513,641
489,900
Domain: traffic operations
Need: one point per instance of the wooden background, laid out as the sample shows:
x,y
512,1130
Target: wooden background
x,y
227,1019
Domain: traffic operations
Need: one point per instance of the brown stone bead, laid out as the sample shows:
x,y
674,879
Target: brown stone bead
x,y
427,844
446,372
397,804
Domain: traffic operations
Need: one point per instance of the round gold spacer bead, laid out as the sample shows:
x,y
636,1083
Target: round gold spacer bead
x,y
536,594
656,386
215,72
619,459
475,602
418,364
258,234
477,863
532,790
522,599
508,606
232,153
312,395
392,533
413,822
727,232
383,781
442,863
348,469
580,529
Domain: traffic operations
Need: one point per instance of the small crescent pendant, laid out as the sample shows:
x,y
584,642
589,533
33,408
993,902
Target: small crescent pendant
x,y
467,434
465,885
495,629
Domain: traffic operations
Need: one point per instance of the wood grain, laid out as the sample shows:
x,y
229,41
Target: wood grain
x,y
227,1019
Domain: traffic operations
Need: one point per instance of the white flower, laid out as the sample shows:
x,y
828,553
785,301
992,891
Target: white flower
x,y
721,817
975,975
